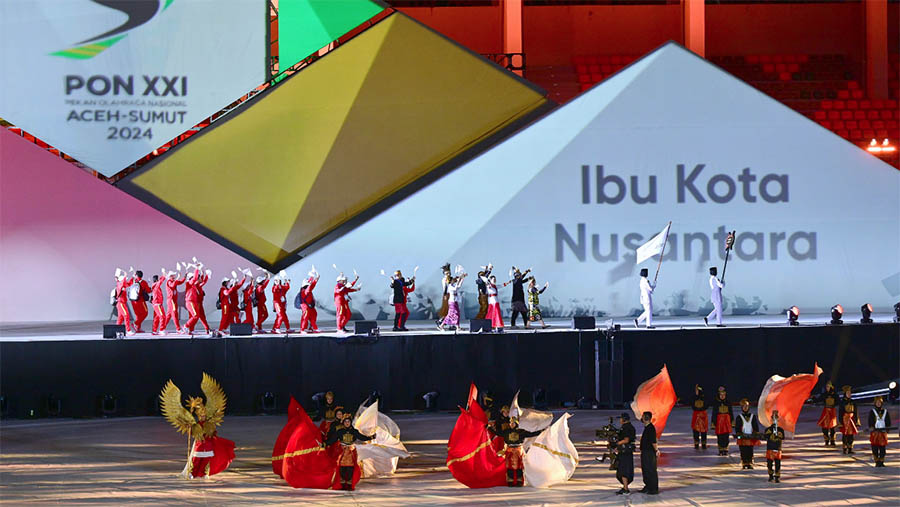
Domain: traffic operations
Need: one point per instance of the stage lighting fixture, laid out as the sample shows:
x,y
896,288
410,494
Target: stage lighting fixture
x,y
793,314
866,311
837,311
109,405
431,400
267,403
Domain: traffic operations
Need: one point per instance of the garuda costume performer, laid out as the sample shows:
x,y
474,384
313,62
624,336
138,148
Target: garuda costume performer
x,y
348,465
746,431
879,422
513,438
699,420
518,294
849,420
210,454
329,413
534,303
401,288
828,420
342,292
774,437
481,283
723,417
445,295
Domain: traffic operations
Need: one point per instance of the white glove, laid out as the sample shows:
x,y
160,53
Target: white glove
x,y
208,272
194,259
178,266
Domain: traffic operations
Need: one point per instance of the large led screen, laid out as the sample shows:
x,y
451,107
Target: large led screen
x,y
321,149
109,81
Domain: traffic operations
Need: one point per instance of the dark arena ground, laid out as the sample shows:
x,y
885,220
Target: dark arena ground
x,y
137,460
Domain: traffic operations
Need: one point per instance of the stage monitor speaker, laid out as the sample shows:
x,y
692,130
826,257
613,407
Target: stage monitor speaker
x,y
113,330
241,329
583,322
479,326
364,326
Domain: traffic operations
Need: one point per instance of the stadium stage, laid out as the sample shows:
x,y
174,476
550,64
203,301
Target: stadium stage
x,y
67,369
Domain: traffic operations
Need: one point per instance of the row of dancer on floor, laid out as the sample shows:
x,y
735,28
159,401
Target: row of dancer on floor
x,y
837,413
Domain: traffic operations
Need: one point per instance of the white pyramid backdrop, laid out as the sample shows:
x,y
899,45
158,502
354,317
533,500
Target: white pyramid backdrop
x,y
818,219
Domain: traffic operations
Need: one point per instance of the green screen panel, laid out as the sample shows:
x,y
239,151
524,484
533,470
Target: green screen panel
x,y
331,141
306,26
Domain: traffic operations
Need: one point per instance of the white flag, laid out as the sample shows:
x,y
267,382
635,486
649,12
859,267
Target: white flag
x,y
654,246
552,458
529,418
378,457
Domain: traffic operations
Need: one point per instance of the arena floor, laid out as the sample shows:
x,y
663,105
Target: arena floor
x,y
137,460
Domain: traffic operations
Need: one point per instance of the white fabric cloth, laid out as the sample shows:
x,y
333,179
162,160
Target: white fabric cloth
x,y
529,419
552,458
654,246
879,420
378,457
746,424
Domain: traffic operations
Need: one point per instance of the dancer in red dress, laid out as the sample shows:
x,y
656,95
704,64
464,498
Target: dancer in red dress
x,y
493,313
342,292
309,318
828,420
262,281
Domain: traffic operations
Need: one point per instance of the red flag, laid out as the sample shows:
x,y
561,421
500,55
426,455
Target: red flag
x,y
294,410
657,396
306,464
787,396
469,455
473,395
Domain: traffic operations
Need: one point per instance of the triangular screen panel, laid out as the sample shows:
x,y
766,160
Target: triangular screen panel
x,y
336,142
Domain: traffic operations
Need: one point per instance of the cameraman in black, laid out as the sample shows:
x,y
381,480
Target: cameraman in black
x,y
625,445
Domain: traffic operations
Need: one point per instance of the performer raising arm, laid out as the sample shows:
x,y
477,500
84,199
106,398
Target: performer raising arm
x,y
534,303
262,281
309,317
513,437
493,312
401,288
122,284
518,295
172,296
452,318
342,292
347,435
480,282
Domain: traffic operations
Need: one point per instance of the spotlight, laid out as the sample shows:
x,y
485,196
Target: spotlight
x,y
431,400
837,311
793,314
866,311
266,402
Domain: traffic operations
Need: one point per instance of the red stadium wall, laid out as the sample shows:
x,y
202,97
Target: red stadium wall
x,y
553,34
479,28
742,29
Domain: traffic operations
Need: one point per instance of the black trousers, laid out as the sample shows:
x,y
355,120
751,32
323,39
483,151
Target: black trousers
x,y
649,473
848,442
746,454
700,437
777,467
625,469
347,477
722,440
829,434
878,452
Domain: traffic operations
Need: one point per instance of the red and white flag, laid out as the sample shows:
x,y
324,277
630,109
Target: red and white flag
x,y
657,396
787,396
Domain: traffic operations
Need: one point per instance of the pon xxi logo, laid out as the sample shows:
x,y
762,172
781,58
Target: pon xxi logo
x,y
138,12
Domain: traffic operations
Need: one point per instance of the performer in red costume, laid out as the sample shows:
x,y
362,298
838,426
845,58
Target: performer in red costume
x,y
204,278
308,303
280,288
234,299
342,300
156,299
249,301
493,312
262,281
229,288
139,305
194,301
401,287
347,462
122,283
172,284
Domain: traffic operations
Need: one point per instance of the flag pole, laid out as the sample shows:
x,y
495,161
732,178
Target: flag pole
x,y
729,243
668,228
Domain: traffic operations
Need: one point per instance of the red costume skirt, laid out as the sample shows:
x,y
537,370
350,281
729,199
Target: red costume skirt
x,y
222,451
514,458
497,444
849,425
700,421
878,438
324,426
828,419
773,454
723,424
494,315
348,456
745,442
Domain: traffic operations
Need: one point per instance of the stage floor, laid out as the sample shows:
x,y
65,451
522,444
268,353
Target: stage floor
x,y
91,330
137,460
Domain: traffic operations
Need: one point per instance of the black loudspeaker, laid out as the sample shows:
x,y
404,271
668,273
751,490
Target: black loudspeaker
x,y
583,322
241,329
479,326
364,326
113,330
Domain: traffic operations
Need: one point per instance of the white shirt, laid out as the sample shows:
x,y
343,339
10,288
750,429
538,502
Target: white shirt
x,y
492,293
879,421
646,290
452,290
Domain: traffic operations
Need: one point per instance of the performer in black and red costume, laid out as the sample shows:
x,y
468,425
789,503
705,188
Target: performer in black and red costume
x,y
849,420
513,437
329,411
722,416
401,288
699,420
879,422
746,431
828,420
348,465
774,438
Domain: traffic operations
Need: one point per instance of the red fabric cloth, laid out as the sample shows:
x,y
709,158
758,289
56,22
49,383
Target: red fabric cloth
x,y
223,455
306,464
878,438
494,315
747,442
656,395
293,414
773,454
700,421
309,318
786,395
469,455
723,424
828,419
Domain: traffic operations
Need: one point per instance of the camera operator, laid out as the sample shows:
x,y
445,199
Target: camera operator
x,y
625,446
